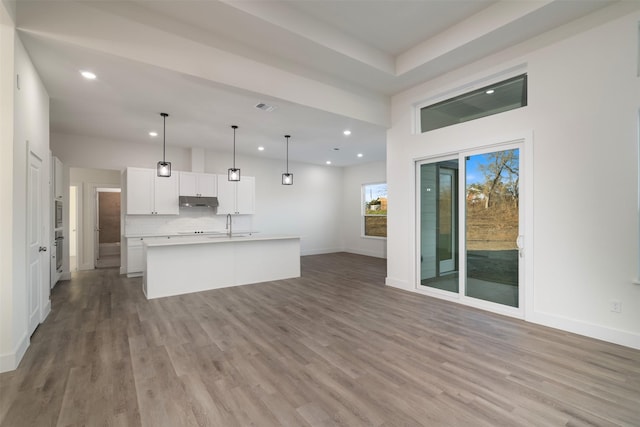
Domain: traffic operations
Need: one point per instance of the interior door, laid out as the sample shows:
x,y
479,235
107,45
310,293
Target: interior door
x,y
36,248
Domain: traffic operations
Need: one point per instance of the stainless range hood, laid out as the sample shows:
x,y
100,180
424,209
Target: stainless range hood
x,y
198,202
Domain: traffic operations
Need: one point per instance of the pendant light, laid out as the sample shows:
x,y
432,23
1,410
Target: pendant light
x,y
287,178
164,167
234,173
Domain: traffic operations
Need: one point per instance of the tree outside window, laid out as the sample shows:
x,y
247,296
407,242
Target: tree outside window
x,y
374,203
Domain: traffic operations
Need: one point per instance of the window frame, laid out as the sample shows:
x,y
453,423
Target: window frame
x,y
363,213
462,89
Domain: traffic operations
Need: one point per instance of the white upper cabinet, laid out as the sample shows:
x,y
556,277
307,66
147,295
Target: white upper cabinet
x,y
166,194
236,197
57,178
149,194
246,195
198,184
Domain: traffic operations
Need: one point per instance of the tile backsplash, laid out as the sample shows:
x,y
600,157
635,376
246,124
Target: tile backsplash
x,y
189,220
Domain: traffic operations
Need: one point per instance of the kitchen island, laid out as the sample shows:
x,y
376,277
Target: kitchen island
x,y
219,261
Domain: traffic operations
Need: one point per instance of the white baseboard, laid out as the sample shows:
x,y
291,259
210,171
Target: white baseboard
x,y
45,311
397,283
375,254
66,275
615,336
123,270
10,361
320,251
86,267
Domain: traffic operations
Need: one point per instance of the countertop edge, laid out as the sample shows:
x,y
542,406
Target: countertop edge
x,y
203,240
180,234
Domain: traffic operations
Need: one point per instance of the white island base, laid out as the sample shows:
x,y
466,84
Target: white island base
x,y
175,268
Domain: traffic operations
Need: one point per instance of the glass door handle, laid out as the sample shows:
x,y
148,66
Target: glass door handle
x,y
520,244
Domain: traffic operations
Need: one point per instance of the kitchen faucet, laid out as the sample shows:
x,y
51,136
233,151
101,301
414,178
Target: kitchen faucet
x,y
229,225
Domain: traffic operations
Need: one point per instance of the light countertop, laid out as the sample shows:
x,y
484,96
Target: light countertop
x,y
186,234
219,238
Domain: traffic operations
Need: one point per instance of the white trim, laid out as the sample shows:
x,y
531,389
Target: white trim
x,y
373,254
320,251
90,189
637,281
398,283
616,336
363,215
10,361
373,237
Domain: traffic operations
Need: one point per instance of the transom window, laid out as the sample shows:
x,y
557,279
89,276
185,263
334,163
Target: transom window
x,y
492,99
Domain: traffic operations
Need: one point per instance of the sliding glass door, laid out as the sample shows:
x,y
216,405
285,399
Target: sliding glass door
x,y
469,226
439,225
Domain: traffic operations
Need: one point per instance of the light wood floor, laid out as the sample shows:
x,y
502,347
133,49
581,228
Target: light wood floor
x,y
334,347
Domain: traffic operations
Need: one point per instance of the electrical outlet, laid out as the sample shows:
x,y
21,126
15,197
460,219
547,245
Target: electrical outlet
x,y
616,306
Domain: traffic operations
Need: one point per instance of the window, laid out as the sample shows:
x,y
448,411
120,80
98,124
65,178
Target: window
x,y
374,209
492,99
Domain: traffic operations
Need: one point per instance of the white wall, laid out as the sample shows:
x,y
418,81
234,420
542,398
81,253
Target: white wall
x,y
97,153
7,47
30,123
352,233
87,180
584,96
311,208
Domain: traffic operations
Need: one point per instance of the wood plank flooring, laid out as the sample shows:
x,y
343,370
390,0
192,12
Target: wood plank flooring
x,y
332,348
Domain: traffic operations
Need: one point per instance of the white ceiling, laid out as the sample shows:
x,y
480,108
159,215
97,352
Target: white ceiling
x,y
327,65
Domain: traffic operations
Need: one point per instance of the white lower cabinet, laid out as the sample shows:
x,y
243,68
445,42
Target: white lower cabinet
x,y
135,253
134,257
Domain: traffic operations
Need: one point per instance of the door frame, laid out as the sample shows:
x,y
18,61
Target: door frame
x,y
97,189
455,177
73,235
524,142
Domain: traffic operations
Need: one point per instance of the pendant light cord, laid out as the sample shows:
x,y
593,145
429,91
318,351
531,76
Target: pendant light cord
x,y
164,135
287,136
234,145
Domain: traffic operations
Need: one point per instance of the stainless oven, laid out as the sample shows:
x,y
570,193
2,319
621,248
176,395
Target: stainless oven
x,y
58,214
59,246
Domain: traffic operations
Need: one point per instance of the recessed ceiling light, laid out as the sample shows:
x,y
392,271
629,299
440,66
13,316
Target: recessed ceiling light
x,y
360,154
347,132
261,148
336,149
88,75
328,162
490,91
152,133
